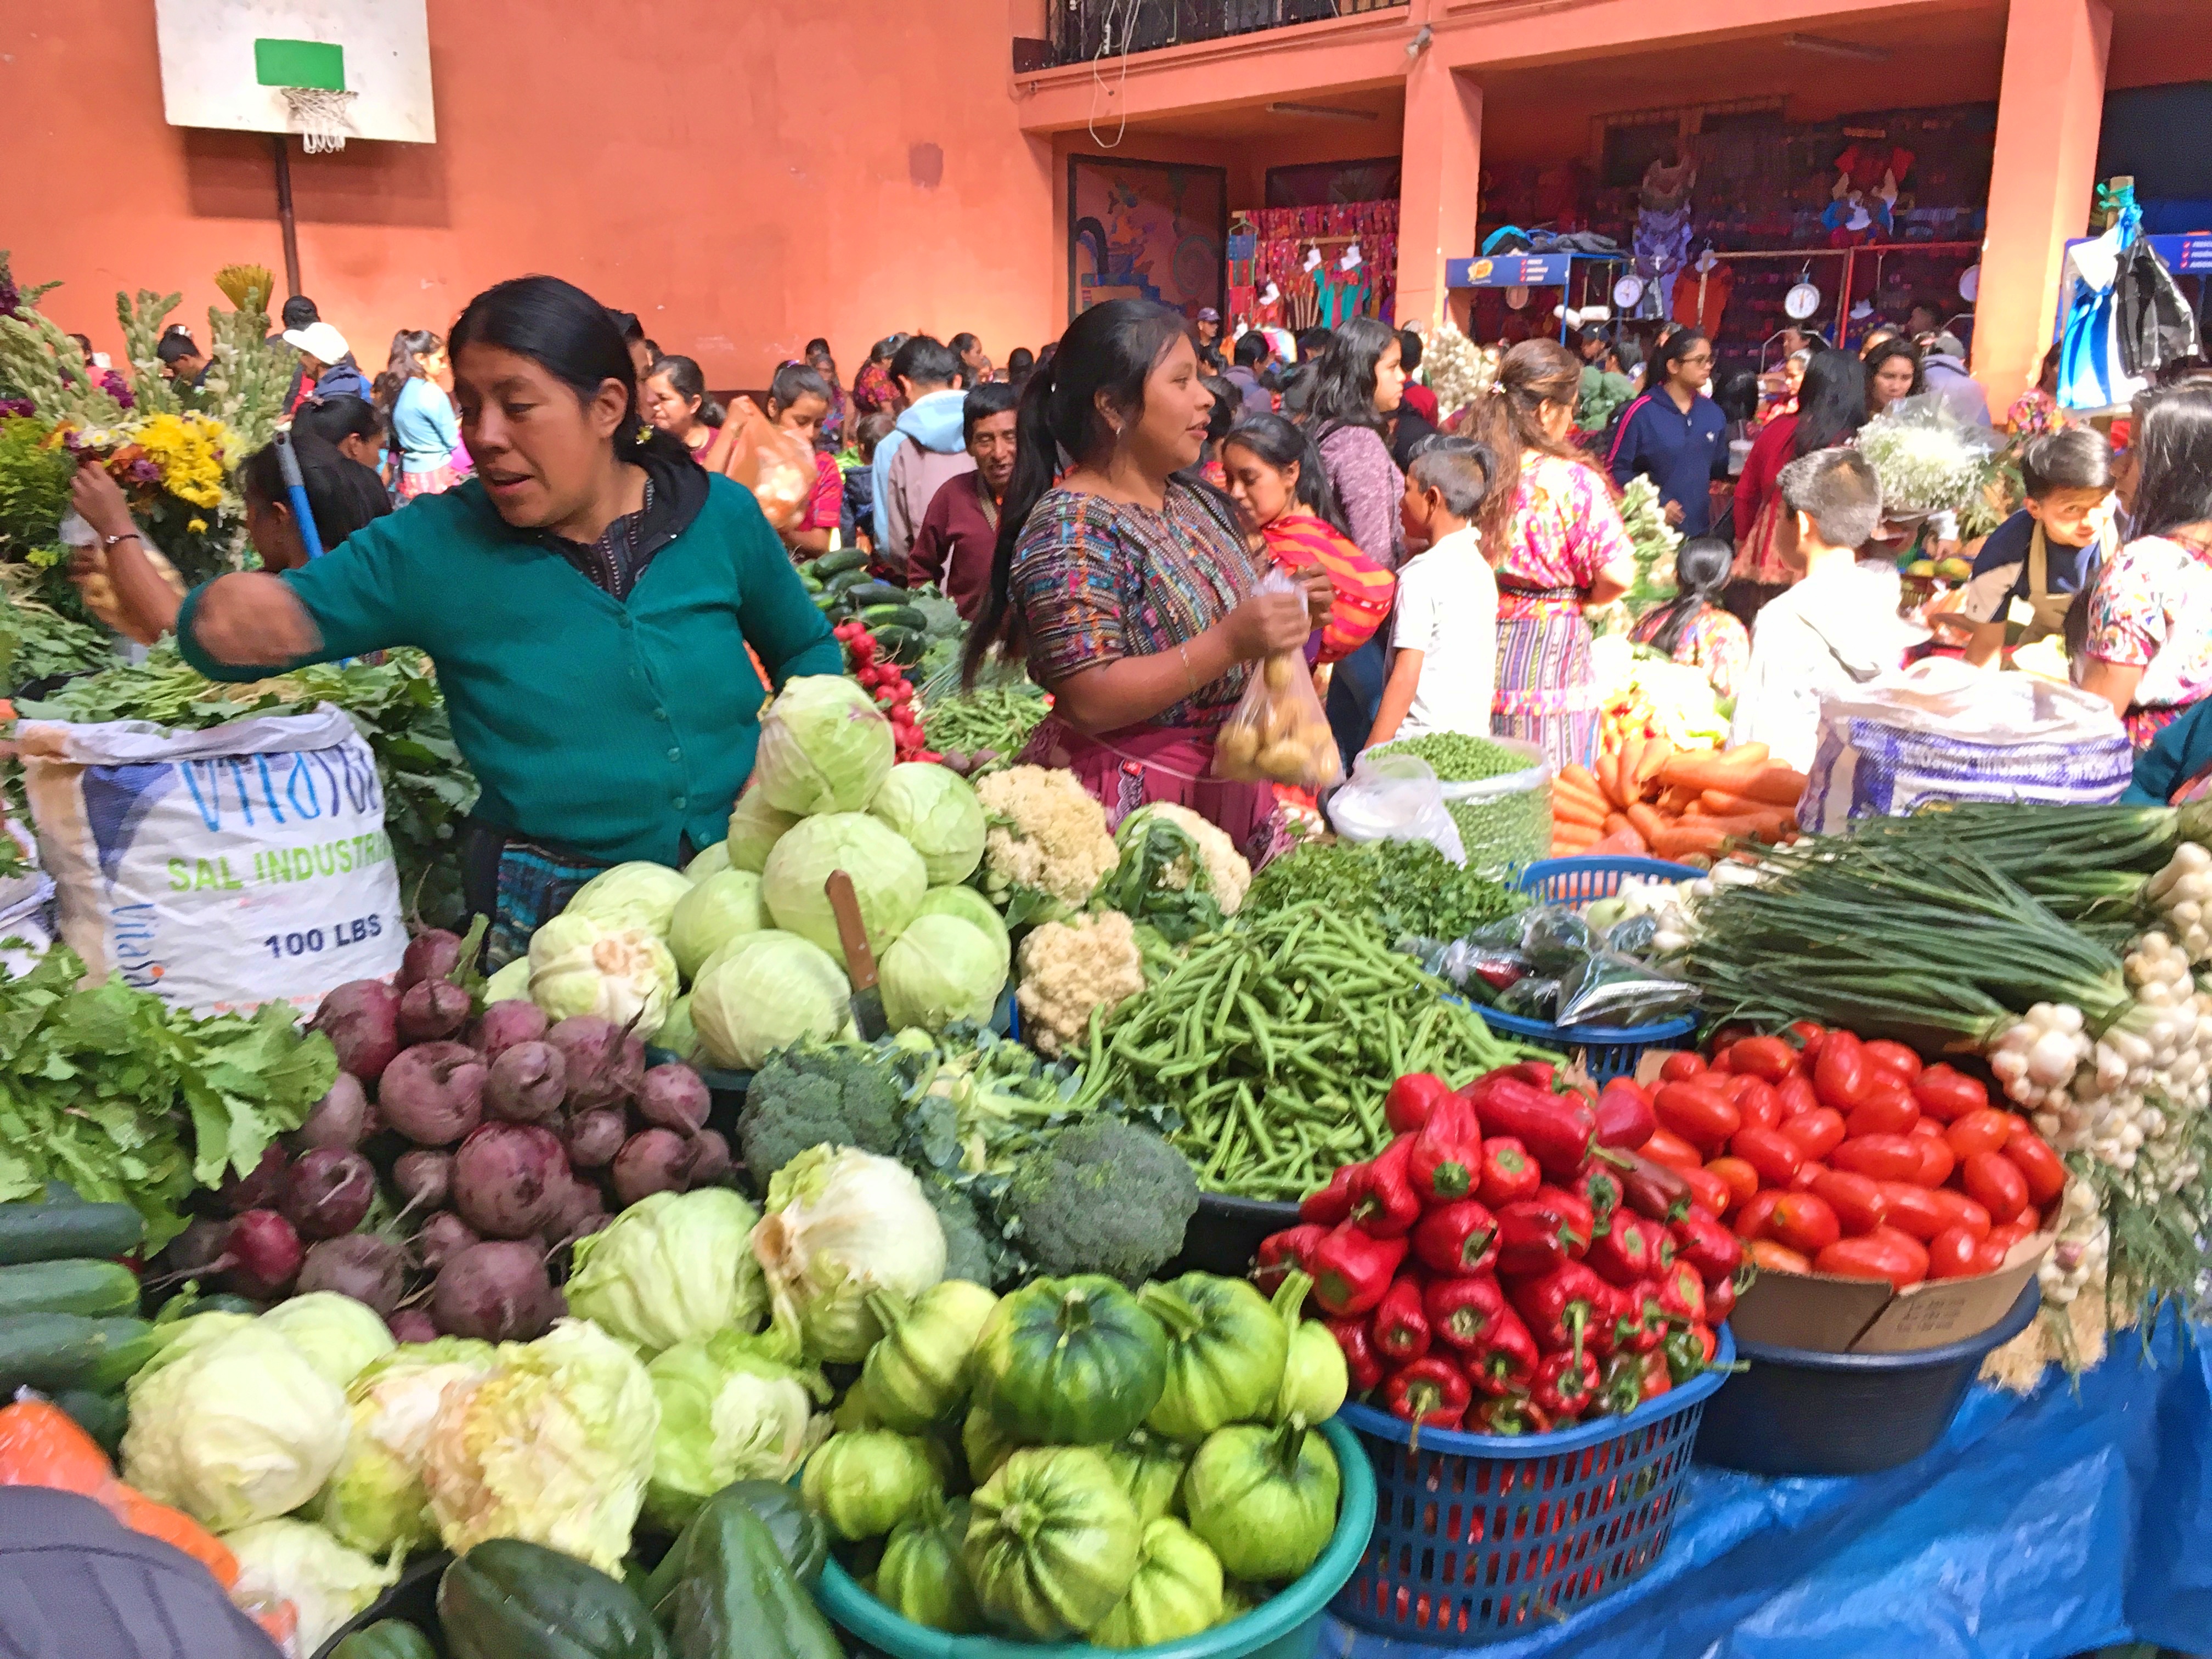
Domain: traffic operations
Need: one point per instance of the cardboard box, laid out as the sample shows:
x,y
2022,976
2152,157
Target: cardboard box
x,y
1829,1315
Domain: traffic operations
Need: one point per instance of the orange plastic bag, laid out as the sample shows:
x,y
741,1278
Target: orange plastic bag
x,y
776,465
41,1445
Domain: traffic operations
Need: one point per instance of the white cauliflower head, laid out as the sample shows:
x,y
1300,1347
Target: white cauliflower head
x,y
1228,874
1069,967
1046,832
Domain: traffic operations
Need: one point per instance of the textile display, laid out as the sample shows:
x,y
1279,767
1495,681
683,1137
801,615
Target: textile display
x,y
1276,251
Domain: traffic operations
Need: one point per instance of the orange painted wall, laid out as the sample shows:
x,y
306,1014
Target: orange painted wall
x,y
742,176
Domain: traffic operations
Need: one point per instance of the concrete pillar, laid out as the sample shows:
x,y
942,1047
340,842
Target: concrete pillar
x,y
2051,105
1440,177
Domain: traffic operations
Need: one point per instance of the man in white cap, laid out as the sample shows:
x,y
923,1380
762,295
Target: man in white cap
x,y
327,359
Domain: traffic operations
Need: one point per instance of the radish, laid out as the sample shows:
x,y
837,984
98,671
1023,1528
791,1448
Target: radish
x,y
673,1097
497,1291
606,1066
432,955
593,1138
710,1161
431,1010
528,1083
257,1190
503,1024
362,1266
652,1161
441,1236
328,1192
265,1254
411,1325
339,1119
505,1176
432,1093
362,1019
424,1178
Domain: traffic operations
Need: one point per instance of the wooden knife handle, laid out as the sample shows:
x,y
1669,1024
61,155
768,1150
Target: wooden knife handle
x,y
859,960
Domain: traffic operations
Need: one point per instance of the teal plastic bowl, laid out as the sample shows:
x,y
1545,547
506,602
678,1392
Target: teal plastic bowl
x,y
1287,1626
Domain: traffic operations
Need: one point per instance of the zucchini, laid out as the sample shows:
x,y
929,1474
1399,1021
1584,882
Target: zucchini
x,y
837,564
96,1289
126,1345
48,1352
894,615
63,1227
102,1416
865,593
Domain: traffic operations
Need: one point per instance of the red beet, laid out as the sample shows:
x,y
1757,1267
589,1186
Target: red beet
x,y
432,1010
339,1119
606,1066
424,1178
505,1178
431,954
503,1024
593,1138
652,1161
528,1083
578,1210
328,1192
442,1237
265,1254
711,1165
362,1266
433,1093
497,1291
258,1190
673,1097
411,1325
362,1019
198,1249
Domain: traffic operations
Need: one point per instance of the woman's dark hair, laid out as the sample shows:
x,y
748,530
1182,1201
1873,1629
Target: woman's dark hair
x,y
1505,420
1283,444
816,344
1701,570
684,377
1108,351
2174,486
409,347
1738,395
1020,362
342,493
573,338
1344,378
793,381
1831,400
991,398
1675,347
176,342
963,343
885,348
335,419
1227,400
628,323
1896,346
1312,342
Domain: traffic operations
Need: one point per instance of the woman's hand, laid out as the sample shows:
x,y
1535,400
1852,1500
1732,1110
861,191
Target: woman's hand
x,y
251,619
1673,513
1321,593
99,500
1267,624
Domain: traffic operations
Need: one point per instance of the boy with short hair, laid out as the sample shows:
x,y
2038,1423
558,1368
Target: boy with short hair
x,y
2044,554
1443,634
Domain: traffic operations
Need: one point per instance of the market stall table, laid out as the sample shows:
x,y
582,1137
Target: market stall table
x,y
2037,1529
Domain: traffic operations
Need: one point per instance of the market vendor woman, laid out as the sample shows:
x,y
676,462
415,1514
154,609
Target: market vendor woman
x,y
587,598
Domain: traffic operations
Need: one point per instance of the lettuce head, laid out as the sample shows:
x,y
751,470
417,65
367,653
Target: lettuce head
x,y
720,908
824,747
375,1499
727,1412
291,1561
672,1267
639,891
338,1335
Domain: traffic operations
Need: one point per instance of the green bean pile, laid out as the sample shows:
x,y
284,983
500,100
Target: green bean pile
x,y
1276,1044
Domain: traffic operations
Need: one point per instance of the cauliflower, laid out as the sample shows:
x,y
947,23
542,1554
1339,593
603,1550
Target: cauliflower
x,y
1045,832
1226,870
1069,968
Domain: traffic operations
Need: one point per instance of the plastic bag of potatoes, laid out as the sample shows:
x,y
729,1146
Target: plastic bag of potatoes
x,y
1276,732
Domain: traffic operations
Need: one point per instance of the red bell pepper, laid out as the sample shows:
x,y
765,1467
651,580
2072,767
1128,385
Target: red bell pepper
x,y
1458,1238
1411,1100
1507,1359
1626,1252
1536,1234
1333,1203
1682,1293
1431,1392
1384,1200
1599,1186
1509,1414
1561,1306
1361,1362
1565,1384
1657,1381
1624,1118
1401,1327
1620,1385
1352,1269
1278,1252
1445,1164
1580,1213
1641,1321
1710,1248
1654,1191
1508,1172
1536,1074
1463,1313
1720,1300
1557,1130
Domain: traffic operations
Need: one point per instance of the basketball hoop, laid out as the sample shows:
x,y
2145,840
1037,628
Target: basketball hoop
x,y
320,116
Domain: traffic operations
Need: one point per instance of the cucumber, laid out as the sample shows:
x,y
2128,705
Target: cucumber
x,y
865,593
96,1289
901,645
67,1227
894,615
837,564
102,1416
845,581
127,1345
47,1352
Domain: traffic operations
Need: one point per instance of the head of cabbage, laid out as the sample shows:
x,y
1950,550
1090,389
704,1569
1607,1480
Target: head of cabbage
x,y
711,862
935,811
716,910
671,1267
338,1335
618,970
638,891
971,907
375,1499
941,969
888,879
755,827
675,1033
842,1223
824,747
291,1561
766,991
727,1412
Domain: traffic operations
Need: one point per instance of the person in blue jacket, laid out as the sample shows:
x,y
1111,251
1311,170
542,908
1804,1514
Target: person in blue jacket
x,y
1673,434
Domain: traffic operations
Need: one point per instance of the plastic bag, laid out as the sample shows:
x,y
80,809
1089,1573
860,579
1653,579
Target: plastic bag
x,y
1532,998
776,465
1278,733
1483,971
1396,797
1609,988
1556,940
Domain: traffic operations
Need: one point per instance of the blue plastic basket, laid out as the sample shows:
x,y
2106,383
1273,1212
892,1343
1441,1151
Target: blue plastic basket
x,y
1606,1051
1482,1537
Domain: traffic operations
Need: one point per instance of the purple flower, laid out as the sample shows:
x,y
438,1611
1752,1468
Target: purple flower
x,y
144,471
118,388
14,408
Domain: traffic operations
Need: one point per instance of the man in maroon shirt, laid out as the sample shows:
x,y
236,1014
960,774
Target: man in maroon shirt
x,y
960,530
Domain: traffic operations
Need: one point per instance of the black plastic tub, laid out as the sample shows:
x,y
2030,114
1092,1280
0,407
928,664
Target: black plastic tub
x,y
1222,1237
414,1599
1799,1412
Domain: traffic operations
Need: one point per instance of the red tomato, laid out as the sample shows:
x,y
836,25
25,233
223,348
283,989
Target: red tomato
x,y
1807,1036
1751,1220
1994,1181
2006,1235
1719,1064
1953,1254
1772,1154
1886,1157
2029,1220
1698,1113
1758,1104
1859,1203
1916,1210
1894,1058
1770,1257
1681,1068
1708,1189
1817,1133
1673,1150
1963,1212
1730,1083
1925,1125
1884,1253
1767,1057
1989,1254
1889,1110
1840,1076
2041,1167
1807,1172
1947,1094
1796,1096
1805,1221
1742,1178
1979,1132
1937,1159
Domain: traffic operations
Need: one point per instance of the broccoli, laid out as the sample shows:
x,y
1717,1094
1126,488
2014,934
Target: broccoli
x,y
966,1254
1102,1197
805,1097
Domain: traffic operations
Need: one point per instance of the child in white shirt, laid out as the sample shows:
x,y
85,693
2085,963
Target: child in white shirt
x,y
1443,634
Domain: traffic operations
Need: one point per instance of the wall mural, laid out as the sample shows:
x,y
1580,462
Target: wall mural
x,y
1145,230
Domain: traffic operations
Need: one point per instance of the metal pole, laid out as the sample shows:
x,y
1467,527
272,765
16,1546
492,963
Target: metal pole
x,y
284,212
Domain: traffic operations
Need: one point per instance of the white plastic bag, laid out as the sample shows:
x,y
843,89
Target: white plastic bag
x,y
219,869
1943,732
1396,797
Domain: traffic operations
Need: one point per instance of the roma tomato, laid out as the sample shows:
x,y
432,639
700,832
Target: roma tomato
x,y
1805,1222
1995,1181
1947,1094
1681,1068
1673,1150
1758,1104
1768,1057
1954,1253
1858,1202
2041,1168
1979,1132
1698,1113
1989,1254
1709,1191
1963,1212
1796,1096
1893,1057
1886,1157
1770,1152
1815,1133
1741,1177
1807,1036
1937,1160
1808,1173
1884,1253
1840,1075
1770,1257
1916,1211
1750,1219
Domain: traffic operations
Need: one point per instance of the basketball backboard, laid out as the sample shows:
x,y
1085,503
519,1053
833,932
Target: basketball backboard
x,y
226,63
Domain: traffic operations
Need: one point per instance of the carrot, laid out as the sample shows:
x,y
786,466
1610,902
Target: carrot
x,y
1674,799
1689,836
40,1445
1566,811
1609,776
1566,788
1579,778
1730,770
142,1515
1647,820
1722,804
1631,773
1614,823
1572,837
1624,840
1656,753
1778,786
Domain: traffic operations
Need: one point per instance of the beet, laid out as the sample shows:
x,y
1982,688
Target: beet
x,y
652,1161
339,1119
362,1019
256,1190
432,955
711,1165
432,1093
503,1024
411,1325
328,1192
497,1291
593,1138
432,1010
673,1097
606,1068
265,1254
424,1178
196,1249
528,1083
506,1178
362,1266
578,1210
441,1236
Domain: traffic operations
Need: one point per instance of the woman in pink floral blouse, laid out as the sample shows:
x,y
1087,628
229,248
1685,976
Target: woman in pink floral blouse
x,y
1691,629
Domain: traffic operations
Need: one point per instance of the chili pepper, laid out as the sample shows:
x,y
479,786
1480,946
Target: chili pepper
x,y
1686,1355
1599,1186
1720,1300
1352,1269
1458,1238
1656,1382
1509,1414
1627,1251
1445,1164
1428,1393
1399,1330
1565,1384
1840,1075
1581,1215
1707,1246
1624,1117
1508,1172
1280,1252
1948,1094
1463,1313
1620,1385
1411,1101
1507,1359
1361,1362
1383,1200
1333,1203
1682,1293
1654,1191
1560,1306
1557,1130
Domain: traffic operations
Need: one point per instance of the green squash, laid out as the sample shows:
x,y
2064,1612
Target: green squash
x,y
985,1444
1150,1467
506,1598
798,1531
917,1373
864,1482
1263,1499
1315,1379
387,1638
1052,1543
921,1577
1072,1361
1177,1592
738,1598
1225,1351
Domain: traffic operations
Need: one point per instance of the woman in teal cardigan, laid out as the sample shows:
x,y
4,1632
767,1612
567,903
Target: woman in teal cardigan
x,y
588,598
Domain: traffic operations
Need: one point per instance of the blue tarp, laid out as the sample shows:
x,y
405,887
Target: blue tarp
x,y
2037,1529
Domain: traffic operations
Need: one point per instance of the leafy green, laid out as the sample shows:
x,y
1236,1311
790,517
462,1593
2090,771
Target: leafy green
x,y
1394,887
34,485
37,643
1139,886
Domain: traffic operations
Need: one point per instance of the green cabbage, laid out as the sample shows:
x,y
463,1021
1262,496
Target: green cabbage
x,y
671,1267
637,893
675,1033
888,879
711,862
510,983
842,1223
973,907
375,1499
554,1447
619,970
935,809
337,1335
291,1561
778,990
941,968
755,827
715,911
727,1413
824,747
